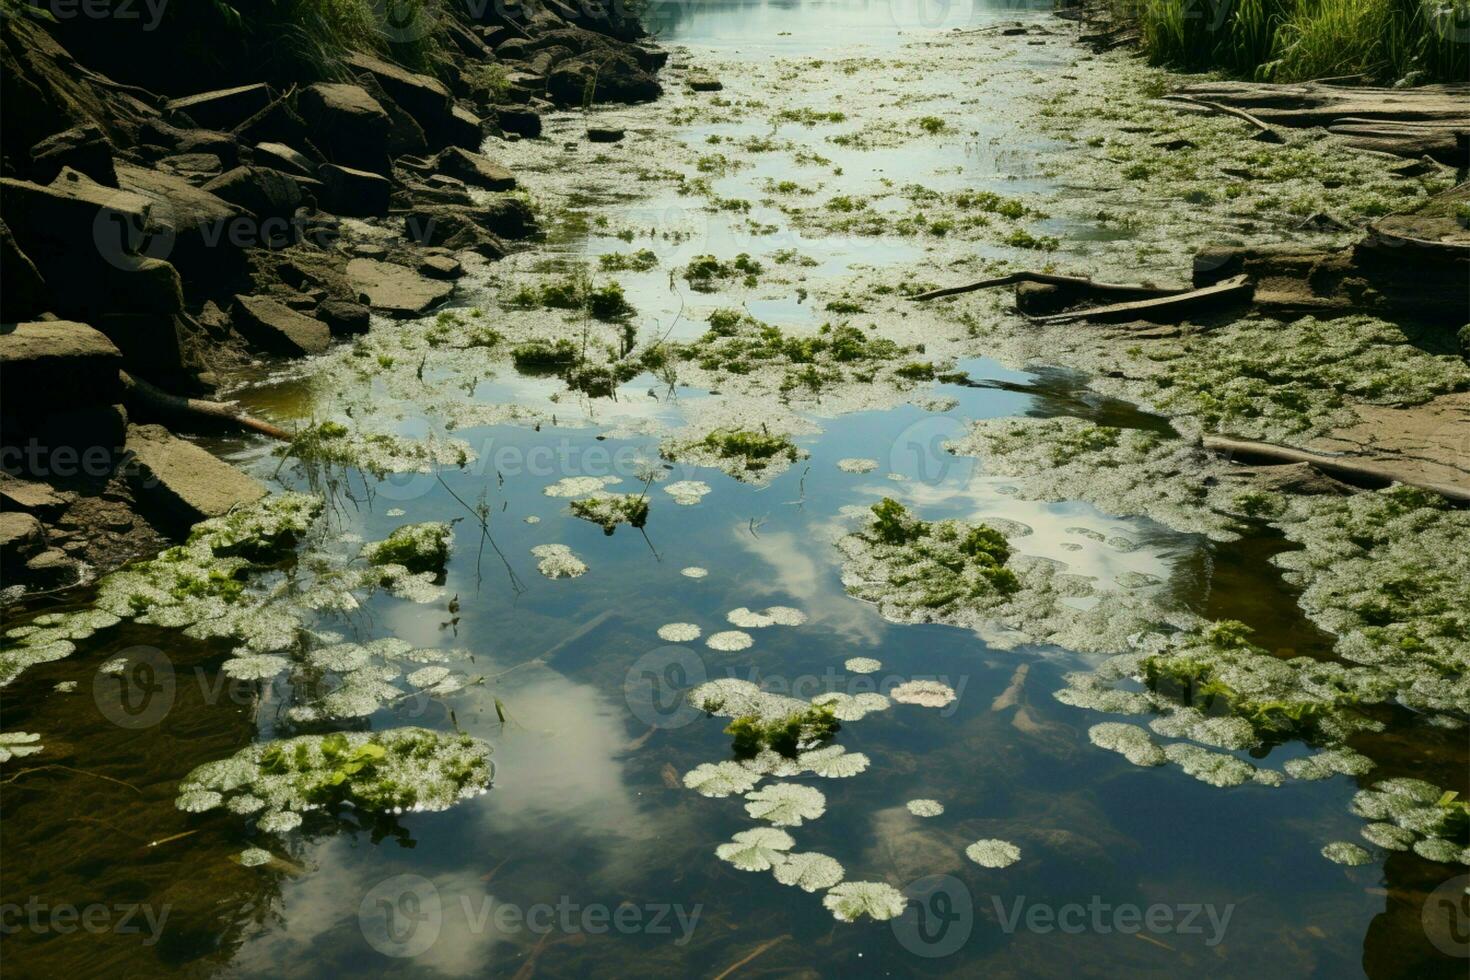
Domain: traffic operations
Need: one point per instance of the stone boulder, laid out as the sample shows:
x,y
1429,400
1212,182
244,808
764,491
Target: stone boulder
x,y
86,243
519,120
395,290
615,78
199,232
347,124
51,367
181,482
21,538
268,193
456,228
275,327
24,292
344,317
355,193
423,97
474,169
280,156
85,149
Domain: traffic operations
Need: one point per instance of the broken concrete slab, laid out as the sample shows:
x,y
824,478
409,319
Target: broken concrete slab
x,y
279,329
182,481
223,108
395,290
474,169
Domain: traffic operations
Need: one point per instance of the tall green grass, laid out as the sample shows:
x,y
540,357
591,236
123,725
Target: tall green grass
x,y
315,34
1390,41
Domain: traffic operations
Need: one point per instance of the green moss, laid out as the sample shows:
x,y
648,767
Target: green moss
x,y
544,355
756,449
704,273
611,509
642,260
949,560
417,547
788,736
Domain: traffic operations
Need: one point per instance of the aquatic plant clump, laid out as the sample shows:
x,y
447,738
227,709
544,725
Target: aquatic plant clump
x,y
1414,813
925,808
771,616
993,853
608,510
811,872
558,561
863,665
927,694
378,453
15,745
785,804
787,735
852,900
417,547
1124,472
48,637
742,453
760,849
394,771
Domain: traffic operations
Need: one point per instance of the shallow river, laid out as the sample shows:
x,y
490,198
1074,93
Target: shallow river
x,y
589,856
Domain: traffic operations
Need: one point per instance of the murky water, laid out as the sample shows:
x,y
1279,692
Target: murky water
x,y
589,856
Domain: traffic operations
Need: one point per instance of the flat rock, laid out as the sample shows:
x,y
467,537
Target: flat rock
x,y
21,536
268,193
474,169
181,479
284,158
279,329
348,124
440,267
519,120
355,193
49,362
32,497
395,290
604,134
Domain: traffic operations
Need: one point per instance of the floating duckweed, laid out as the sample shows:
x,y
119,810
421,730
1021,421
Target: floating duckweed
x,y
1404,810
417,547
1129,741
14,745
65,687
863,665
927,694
769,762
786,804
558,561
1439,849
1341,760
678,632
992,853
1225,731
811,872
428,676
772,616
394,770
720,779
694,571
731,697
925,808
1342,852
850,707
1389,836
114,666
729,640
759,849
1214,768
255,667
611,509
1125,472
857,465
852,900
253,857
832,762
579,486
377,453
687,492
742,453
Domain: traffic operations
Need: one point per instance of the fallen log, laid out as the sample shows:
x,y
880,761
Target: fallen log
x,y
1356,472
1172,307
1048,279
154,399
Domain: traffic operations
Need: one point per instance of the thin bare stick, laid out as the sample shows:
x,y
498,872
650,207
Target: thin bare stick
x,y
1270,134
1045,278
152,397
1344,468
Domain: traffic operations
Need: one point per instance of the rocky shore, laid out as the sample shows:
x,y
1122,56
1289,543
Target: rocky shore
x,y
155,239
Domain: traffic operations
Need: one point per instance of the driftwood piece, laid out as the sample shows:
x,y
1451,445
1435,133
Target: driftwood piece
x,y
1265,133
1169,308
155,399
1047,279
1430,119
1356,472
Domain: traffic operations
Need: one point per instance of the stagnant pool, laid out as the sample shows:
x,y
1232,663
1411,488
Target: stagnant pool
x,y
968,824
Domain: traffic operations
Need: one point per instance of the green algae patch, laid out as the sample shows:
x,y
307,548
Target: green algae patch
x,y
964,574
329,443
417,547
394,771
1124,472
577,293
608,510
743,453
706,273
749,734
1287,380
